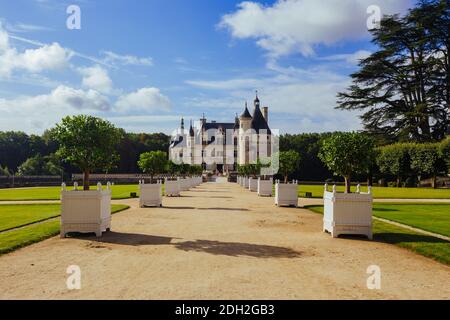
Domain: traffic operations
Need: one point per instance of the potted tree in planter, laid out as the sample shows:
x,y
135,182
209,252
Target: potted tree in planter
x,y
347,154
172,183
240,177
152,163
245,180
286,194
184,180
265,185
253,170
90,144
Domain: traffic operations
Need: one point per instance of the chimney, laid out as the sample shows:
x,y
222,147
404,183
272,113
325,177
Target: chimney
x,y
266,113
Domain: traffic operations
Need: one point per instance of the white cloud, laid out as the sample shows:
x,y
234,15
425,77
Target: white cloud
x,y
144,99
46,57
114,58
290,26
36,113
96,78
351,58
299,100
61,98
4,40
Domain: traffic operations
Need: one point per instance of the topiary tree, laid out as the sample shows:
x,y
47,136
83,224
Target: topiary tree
x,y
426,160
444,152
88,143
153,162
347,153
395,159
289,161
172,168
253,169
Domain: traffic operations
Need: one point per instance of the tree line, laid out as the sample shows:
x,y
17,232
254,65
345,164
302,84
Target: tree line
x,y
23,154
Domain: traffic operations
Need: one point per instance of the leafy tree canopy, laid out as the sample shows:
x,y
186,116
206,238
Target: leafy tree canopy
x,y
88,143
347,153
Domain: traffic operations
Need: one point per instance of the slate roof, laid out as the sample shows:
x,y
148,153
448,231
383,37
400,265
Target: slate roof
x,y
246,114
259,122
216,125
176,142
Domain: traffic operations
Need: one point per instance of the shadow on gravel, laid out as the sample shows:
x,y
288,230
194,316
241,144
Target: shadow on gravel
x,y
224,209
236,249
130,239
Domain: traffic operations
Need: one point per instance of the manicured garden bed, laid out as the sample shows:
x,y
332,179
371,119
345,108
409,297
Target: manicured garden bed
x,y
430,217
123,192
428,246
29,234
13,216
382,193
53,193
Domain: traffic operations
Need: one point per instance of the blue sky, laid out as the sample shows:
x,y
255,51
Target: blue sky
x,y
144,64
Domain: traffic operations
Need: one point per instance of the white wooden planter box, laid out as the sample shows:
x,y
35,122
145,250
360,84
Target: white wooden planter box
x,y
286,194
150,195
85,211
172,188
265,188
347,213
238,180
253,184
245,183
184,186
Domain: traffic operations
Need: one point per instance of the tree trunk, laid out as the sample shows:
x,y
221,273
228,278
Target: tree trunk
x,y
285,179
434,182
370,181
399,180
86,180
347,184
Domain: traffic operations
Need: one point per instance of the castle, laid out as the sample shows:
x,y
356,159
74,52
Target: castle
x,y
221,146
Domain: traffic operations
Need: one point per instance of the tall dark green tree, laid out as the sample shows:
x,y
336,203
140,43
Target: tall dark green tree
x,y
403,88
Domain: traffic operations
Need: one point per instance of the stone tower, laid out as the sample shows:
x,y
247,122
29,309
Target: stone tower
x,y
245,124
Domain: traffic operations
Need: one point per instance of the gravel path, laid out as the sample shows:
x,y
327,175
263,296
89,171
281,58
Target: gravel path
x,y
219,241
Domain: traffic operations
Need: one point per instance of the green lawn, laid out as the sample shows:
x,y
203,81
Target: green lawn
x,y
15,239
430,217
428,246
13,216
381,193
53,193
123,192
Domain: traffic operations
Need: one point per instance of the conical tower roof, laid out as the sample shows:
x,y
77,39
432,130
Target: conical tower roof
x,y
246,113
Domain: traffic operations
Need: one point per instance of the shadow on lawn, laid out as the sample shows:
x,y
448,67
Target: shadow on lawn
x,y
236,249
384,209
395,238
